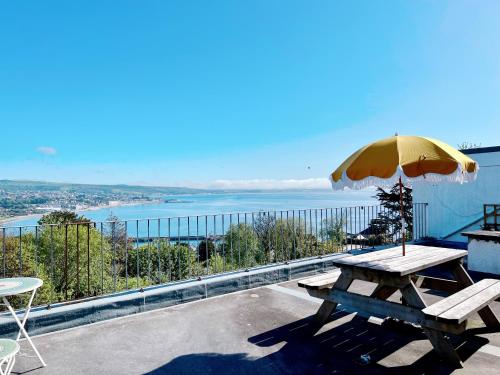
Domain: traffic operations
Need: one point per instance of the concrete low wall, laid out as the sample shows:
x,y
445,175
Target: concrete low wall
x,y
67,315
484,256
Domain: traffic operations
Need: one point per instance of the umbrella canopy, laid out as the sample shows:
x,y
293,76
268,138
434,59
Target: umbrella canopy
x,y
410,158
403,159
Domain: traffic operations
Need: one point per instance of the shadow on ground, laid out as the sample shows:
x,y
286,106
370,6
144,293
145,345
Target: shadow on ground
x,y
335,351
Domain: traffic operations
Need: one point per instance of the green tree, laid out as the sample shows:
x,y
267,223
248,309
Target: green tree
x,y
284,239
389,220
265,229
115,234
161,261
206,249
468,145
242,247
218,264
62,217
78,258
332,235
22,259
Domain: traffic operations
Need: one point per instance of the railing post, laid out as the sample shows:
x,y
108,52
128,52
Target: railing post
x,y
36,251
126,255
102,257
158,249
20,251
88,259
77,261
179,272
223,244
4,260
66,261
52,259
137,252
206,246
113,240
149,254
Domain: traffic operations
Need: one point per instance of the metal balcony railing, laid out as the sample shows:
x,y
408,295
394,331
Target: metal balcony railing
x,y
86,259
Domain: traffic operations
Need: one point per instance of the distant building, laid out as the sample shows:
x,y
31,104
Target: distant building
x,y
455,208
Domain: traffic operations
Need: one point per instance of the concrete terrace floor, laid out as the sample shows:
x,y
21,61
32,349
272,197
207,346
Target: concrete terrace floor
x,y
266,330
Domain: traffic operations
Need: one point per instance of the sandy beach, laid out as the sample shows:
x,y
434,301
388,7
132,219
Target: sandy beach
x,y
6,220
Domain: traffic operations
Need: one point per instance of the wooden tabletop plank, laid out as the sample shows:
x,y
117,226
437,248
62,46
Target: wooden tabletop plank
x,y
389,257
383,254
410,268
410,257
378,254
401,262
447,303
417,258
414,266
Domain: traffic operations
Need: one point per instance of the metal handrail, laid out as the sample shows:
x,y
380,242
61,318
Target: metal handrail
x,y
85,259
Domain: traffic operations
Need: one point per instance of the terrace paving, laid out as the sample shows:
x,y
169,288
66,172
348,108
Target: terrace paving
x,y
266,330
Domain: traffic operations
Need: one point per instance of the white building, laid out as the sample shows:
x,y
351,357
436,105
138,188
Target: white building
x,y
454,208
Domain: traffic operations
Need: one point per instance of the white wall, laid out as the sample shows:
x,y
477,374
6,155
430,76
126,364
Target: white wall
x,y
483,256
453,206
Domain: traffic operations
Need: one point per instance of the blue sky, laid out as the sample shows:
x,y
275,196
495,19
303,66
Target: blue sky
x,y
236,93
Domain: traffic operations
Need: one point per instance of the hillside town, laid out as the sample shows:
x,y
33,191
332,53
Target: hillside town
x,y
21,198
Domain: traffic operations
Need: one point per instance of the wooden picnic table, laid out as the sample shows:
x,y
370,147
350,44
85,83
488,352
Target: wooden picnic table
x,y
391,272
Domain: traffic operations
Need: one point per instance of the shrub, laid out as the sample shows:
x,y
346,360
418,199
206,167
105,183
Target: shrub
x,y
242,246
161,261
86,256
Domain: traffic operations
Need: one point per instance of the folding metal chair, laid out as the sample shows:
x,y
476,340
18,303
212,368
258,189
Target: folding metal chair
x,y
8,350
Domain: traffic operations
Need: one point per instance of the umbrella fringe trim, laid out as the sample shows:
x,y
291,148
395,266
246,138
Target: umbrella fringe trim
x,y
458,176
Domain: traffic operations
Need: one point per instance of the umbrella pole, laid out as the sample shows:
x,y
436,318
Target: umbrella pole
x,y
401,212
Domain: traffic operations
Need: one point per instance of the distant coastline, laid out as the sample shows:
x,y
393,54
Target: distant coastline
x,y
112,204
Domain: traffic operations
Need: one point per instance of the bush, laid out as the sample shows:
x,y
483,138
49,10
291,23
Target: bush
x,y
218,264
76,260
332,235
242,246
205,251
87,256
284,239
162,262
20,259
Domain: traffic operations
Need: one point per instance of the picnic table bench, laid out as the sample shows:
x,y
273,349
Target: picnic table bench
x,y
391,272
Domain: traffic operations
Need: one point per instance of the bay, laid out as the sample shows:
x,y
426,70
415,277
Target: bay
x,y
224,203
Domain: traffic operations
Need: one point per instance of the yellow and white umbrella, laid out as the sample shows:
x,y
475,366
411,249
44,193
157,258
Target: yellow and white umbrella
x,y
404,160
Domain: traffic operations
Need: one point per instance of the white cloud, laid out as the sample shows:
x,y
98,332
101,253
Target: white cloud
x,y
45,150
270,184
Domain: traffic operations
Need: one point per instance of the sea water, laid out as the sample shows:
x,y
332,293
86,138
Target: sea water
x,y
226,202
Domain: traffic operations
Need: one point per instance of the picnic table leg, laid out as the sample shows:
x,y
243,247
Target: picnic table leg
x,y
464,280
327,307
439,342
443,347
383,291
